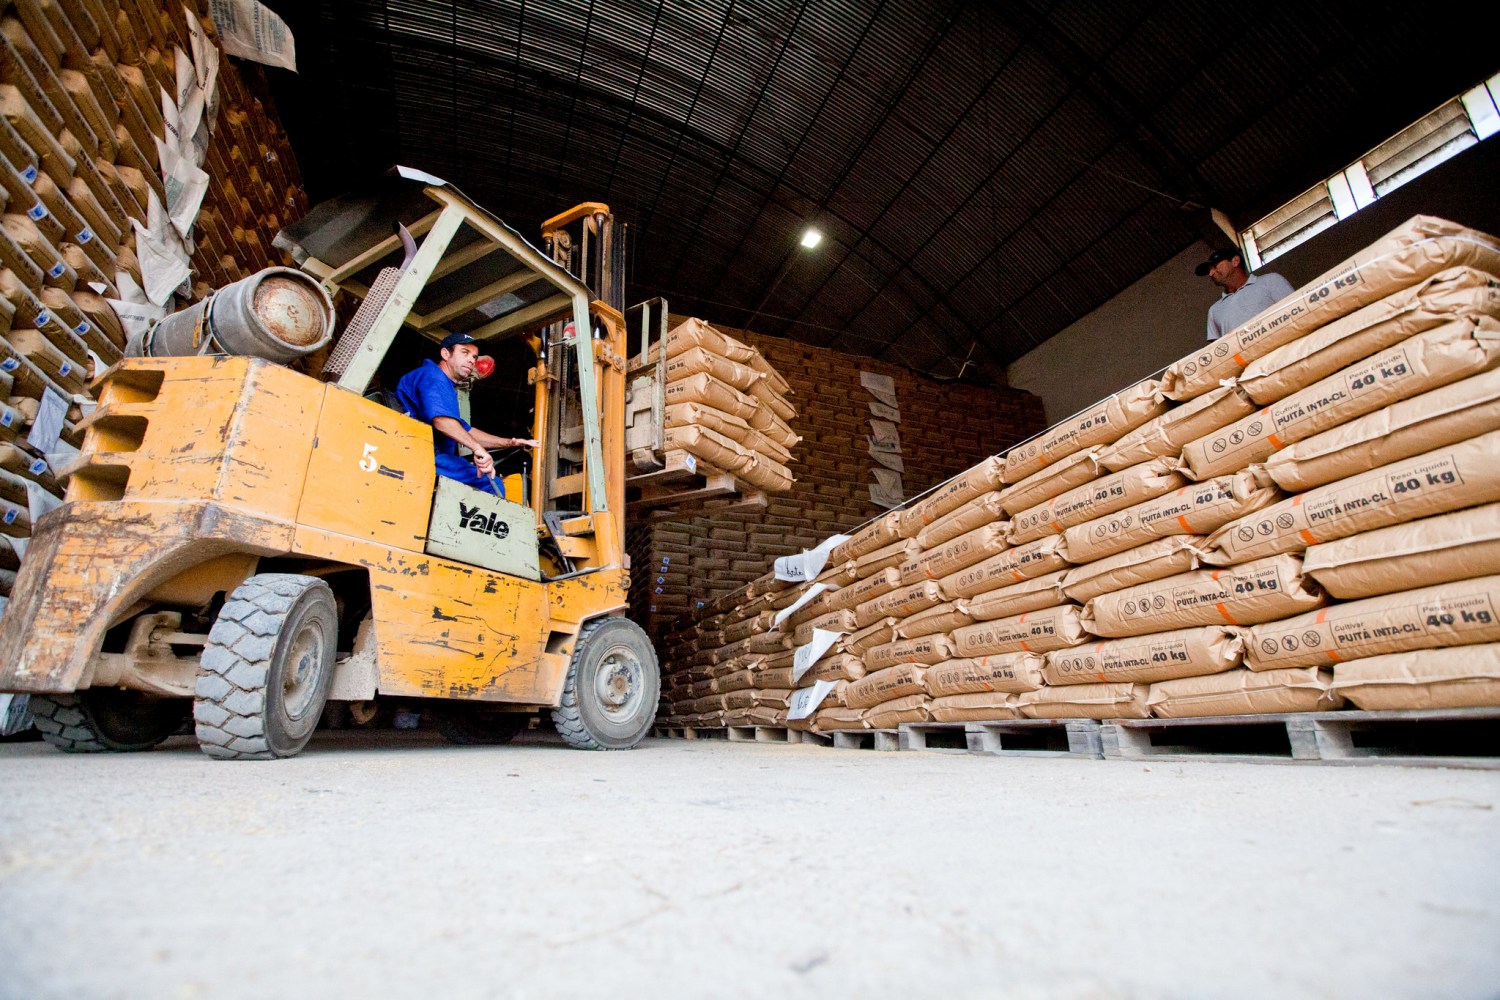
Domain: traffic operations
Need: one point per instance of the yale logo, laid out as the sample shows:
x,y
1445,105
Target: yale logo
x,y
474,520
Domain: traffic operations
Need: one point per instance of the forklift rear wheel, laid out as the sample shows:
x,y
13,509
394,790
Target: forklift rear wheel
x,y
609,699
475,724
265,672
106,720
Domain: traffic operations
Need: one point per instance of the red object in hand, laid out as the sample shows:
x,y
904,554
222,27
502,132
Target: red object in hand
x,y
484,366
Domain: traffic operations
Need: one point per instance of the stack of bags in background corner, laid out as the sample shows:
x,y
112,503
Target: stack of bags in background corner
x,y
1318,489
726,406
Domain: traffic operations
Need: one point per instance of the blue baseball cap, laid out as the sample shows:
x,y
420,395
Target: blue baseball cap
x,y
454,339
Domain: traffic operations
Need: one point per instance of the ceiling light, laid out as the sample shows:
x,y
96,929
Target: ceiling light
x,y
811,238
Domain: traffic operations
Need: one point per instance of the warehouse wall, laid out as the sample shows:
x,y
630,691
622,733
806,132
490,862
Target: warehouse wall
x,y
945,427
1161,317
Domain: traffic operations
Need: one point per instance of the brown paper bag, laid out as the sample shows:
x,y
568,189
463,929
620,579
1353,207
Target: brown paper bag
x,y
902,602
1034,632
945,499
889,715
959,554
1427,361
1015,599
704,388
1441,549
835,621
943,618
1434,419
865,590
1155,560
923,649
829,720
1464,677
877,534
695,333
696,360
1103,423
1025,562
1414,251
1085,701
1166,434
1160,657
1458,293
886,557
1245,692
1437,481
976,513
1196,509
1450,614
1005,672
836,667
1105,495
972,708
1247,594
1065,474
884,685
877,633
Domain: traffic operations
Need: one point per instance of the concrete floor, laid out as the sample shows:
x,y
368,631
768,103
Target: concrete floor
x,y
390,864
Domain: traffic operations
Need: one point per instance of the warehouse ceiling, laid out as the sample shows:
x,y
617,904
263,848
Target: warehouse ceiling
x,y
983,174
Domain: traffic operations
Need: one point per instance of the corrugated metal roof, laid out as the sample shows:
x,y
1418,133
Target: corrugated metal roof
x,y
984,174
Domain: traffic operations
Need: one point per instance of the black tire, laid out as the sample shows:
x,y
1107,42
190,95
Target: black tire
x,y
609,698
265,672
107,720
476,724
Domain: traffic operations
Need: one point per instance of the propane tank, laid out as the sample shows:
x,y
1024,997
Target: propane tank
x,y
279,314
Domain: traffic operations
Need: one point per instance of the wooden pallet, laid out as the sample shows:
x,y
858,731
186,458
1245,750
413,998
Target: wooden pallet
x,y
763,734
1463,737
683,484
1008,737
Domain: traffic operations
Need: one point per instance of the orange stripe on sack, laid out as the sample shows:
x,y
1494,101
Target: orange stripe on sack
x,y
1017,574
1214,576
1227,616
1057,527
1102,678
1307,536
1024,646
1321,615
1182,520
1275,441
1336,658
1239,359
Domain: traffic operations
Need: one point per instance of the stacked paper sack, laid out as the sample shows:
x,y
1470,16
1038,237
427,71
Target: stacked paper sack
x,y
726,406
86,157
1304,514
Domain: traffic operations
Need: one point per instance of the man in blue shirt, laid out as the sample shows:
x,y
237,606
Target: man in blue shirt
x,y
430,394
1245,295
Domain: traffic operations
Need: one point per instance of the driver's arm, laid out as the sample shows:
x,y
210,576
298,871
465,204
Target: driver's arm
x,y
478,442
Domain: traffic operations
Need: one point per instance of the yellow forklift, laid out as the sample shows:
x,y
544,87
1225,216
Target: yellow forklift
x,y
247,542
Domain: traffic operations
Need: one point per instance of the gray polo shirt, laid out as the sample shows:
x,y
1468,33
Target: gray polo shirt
x,y
1255,296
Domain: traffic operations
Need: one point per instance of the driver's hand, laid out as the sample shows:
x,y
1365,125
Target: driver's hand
x,y
483,462
524,443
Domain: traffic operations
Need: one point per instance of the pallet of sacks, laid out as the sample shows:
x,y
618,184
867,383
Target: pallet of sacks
x,y
721,403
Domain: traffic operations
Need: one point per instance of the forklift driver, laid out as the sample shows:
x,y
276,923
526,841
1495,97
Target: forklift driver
x,y
430,394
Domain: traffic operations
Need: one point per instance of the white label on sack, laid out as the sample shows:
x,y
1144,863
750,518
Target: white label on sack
x,y
43,318
67,367
812,592
10,515
29,174
38,467
691,463
805,701
37,212
56,270
10,364
84,235
7,418
808,563
812,652
82,328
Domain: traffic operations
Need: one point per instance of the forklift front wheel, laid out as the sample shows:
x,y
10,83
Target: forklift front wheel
x,y
609,699
265,672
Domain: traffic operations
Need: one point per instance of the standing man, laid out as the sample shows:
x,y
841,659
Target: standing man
x,y
1245,295
430,394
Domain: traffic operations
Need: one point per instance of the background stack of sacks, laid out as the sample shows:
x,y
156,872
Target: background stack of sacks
x,y
727,407
81,98
1205,545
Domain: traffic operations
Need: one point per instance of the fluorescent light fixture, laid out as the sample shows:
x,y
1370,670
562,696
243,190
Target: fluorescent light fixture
x,y
811,238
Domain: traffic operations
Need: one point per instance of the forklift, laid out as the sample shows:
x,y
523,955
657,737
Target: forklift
x,y
243,543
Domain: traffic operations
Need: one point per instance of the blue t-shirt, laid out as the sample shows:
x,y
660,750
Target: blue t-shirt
x,y
428,393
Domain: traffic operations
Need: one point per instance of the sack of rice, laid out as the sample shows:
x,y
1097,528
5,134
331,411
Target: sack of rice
x,y
1085,701
1005,672
1456,293
1016,599
1105,495
868,589
883,685
1449,614
1247,594
877,633
1245,692
1166,434
695,333
890,714
1466,677
704,388
1414,251
697,360
1196,509
943,618
976,513
834,621
1434,419
1065,474
978,707
757,697
1033,632
836,667
1103,423
1025,562
1437,481
715,449
886,557
766,421
959,554
1441,549
835,719
1427,361
923,649
951,495
900,603
876,535
1158,657
1156,560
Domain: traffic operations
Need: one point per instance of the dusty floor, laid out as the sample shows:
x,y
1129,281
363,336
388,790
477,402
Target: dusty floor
x,y
395,865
